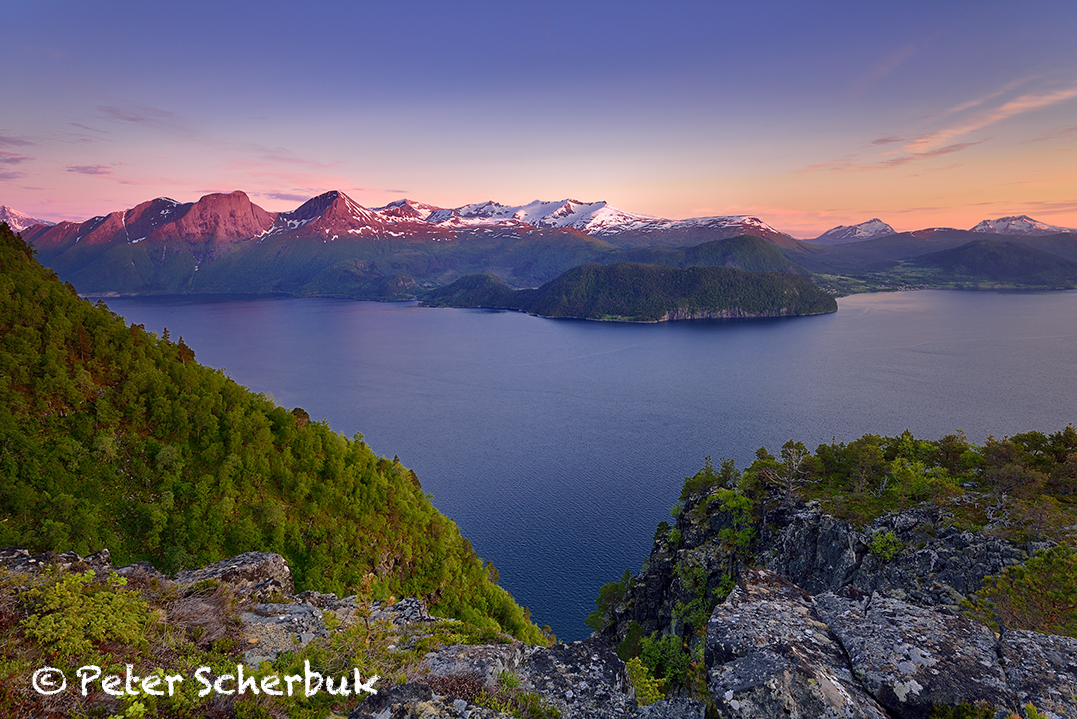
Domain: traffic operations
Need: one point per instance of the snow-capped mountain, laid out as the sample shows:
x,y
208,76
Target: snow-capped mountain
x,y
232,217
19,221
843,234
1019,225
601,220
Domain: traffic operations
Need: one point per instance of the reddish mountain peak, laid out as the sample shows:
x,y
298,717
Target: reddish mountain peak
x,y
329,215
219,217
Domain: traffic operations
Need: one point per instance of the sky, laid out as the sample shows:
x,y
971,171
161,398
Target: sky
x,y
805,114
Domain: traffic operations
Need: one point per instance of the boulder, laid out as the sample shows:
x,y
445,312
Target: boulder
x,y
768,655
256,574
911,658
583,680
415,700
1041,670
484,662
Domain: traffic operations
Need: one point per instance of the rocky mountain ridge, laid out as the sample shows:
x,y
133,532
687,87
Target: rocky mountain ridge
x,y
222,217
233,216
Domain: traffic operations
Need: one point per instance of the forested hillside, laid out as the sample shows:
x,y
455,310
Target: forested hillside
x,y
113,437
631,291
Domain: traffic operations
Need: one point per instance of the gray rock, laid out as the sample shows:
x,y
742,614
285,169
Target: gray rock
x,y
769,655
1041,669
415,700
583,680
257,574
674,708
270,629
939,566
911,658
485,662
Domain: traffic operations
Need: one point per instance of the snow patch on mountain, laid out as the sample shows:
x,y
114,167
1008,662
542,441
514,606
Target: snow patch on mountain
x,y
1019,225
844,234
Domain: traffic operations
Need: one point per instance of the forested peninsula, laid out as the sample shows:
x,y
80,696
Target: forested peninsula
x,y
112,437
636,292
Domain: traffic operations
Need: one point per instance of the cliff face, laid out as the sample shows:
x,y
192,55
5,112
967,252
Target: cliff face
x,y
826,621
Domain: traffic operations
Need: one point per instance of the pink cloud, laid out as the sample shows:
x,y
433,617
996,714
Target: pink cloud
x,y
12,158
90,169
11,140
1020,105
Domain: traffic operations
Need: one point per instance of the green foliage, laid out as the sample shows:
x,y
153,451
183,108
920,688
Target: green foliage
x,y
113,437
964,710
609,596
669,659
631,645
1040,595
69,615
646,686
885,545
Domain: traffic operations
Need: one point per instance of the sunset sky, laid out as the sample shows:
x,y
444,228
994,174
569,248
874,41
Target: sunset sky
x,y
805,114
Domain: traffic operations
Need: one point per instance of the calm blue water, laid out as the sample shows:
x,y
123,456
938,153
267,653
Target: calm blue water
x,y
558,445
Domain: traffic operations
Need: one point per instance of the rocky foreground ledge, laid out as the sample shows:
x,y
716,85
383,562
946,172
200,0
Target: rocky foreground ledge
x,y
579,680
772,649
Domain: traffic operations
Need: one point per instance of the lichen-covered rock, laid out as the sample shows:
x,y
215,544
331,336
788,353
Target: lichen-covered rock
x,y
270,629
938,565
415,700
769,655
674,708
258,574
483,661
911,658
1042,670
583,680
17,559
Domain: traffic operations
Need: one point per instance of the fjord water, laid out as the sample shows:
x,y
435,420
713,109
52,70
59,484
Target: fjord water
x,y
558,445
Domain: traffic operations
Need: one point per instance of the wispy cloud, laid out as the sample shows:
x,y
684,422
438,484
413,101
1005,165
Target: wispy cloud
x,y
90,169
980,100
1017,106
937,152
887,140
12,158
142,115
5,176
884,67
12,141
289,196
137,114
1065,132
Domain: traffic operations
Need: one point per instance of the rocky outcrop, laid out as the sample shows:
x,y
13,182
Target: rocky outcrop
x,y
774,650
819,624
257,574
913,658
1041,669
581,680
937,565
768,654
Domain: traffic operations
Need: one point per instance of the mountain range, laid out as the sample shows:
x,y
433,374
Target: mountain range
x,y
332,246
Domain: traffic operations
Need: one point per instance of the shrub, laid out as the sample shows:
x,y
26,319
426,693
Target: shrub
x,y
643,682
1040,595
885,545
